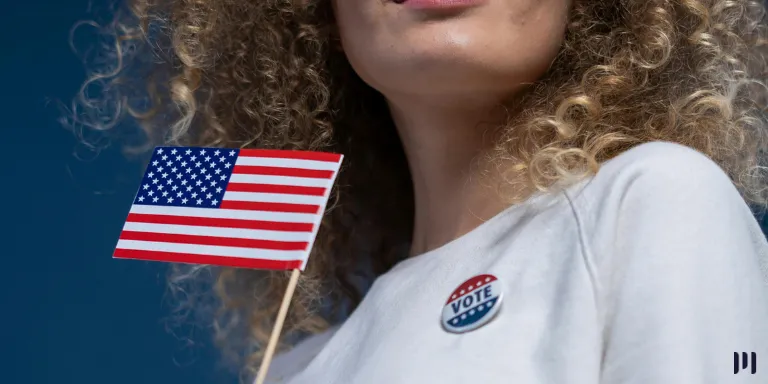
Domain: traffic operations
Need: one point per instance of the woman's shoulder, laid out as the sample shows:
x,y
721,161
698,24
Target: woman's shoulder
x,y
657,173
666,165
289,363
661,196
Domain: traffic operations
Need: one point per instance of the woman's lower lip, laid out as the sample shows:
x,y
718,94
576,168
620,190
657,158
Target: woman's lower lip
x,y
441,4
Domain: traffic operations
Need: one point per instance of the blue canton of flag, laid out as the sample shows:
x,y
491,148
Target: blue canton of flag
x,y
187,177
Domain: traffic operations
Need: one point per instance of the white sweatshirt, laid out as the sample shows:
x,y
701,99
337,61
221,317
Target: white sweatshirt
x,y
651,272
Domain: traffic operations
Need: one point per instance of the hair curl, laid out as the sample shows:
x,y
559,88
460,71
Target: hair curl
x,y
265,74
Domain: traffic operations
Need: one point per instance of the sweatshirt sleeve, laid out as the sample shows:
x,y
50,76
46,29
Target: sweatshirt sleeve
x,y
684,288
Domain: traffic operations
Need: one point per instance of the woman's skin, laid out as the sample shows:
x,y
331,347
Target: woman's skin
x,y
444,72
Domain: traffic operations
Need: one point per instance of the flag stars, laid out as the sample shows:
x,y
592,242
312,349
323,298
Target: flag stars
x,y
200,178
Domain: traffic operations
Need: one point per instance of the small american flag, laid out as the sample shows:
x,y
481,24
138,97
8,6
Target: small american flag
x,y
248,208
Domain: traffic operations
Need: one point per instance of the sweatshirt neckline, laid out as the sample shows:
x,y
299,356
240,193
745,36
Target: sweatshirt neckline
x,y
472,234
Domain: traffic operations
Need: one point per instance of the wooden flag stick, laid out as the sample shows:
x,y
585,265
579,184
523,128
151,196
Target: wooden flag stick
x,y
270,351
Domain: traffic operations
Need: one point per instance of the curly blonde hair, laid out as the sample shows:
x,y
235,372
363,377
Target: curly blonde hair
x,y
265,74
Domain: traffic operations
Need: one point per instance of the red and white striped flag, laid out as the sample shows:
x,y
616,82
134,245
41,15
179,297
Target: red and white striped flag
x,y
245,208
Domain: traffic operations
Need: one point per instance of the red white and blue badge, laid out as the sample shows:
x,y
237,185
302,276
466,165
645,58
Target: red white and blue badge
x,y
473,304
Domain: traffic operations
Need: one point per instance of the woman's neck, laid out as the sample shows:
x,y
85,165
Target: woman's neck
x,y
454,189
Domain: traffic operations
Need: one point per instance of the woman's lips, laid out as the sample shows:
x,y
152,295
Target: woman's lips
x,y
440,4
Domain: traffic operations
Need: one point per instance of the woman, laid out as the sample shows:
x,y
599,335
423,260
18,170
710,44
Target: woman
x,y
586,163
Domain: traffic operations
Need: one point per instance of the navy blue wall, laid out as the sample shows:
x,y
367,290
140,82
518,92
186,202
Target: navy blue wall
x,y
70,314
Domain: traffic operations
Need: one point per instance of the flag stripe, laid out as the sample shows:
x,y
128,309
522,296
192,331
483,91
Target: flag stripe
x,y
284,180
288,154
216,241
219,223
273,198
236,262
218,232
286,163
274,188
272,207
279,171
211,250
287,217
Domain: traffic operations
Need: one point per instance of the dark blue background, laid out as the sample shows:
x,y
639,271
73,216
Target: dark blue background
x,y
70,314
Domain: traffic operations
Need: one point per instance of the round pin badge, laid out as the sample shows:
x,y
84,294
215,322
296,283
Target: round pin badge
x,y
473,304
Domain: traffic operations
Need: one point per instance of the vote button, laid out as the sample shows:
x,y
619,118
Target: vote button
x,y
473,304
